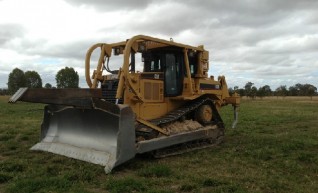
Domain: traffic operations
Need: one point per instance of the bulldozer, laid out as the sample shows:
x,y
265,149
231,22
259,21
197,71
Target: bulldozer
x,y
160,101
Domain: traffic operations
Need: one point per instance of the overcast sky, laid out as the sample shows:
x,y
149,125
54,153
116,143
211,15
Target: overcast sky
x,y
273,42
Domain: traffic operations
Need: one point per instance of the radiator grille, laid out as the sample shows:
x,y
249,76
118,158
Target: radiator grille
x,y
153,91
148,90
109,89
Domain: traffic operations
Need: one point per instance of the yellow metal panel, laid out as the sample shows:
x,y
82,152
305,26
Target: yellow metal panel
x,y
150,111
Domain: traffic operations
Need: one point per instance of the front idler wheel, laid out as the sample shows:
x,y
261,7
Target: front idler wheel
x,y
204,114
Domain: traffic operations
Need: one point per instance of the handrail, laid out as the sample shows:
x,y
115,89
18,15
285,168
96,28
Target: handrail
x,y
87,63
105,51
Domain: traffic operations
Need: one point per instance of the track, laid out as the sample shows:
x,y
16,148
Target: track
x,y
183,111
189,146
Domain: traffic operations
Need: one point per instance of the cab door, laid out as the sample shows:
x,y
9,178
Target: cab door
x,y
173,73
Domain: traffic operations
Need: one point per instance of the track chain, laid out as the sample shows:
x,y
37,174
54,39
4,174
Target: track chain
x,y
192,145
187,147
178,113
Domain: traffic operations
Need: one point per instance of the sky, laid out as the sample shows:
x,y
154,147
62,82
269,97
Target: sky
x,y
266,42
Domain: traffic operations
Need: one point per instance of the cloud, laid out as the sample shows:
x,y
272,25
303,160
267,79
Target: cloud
x,y
10,32
74,50
266,42
110,5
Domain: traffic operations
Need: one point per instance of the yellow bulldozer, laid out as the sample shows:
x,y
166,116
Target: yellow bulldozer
x,y
161,101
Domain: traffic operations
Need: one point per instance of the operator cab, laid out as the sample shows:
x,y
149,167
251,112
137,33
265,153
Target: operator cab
x,y
170,65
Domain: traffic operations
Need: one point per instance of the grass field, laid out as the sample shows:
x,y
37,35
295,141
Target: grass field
x,y
273,149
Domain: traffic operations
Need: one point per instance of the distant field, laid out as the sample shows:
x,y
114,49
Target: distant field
x,y
273,149
291,98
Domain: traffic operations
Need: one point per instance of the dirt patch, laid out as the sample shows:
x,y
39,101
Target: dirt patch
x,y
182,126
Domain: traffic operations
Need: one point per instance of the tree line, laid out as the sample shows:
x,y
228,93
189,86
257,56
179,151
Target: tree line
x,y
296,90
68,78
65,78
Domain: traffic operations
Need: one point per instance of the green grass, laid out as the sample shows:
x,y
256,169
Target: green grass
x,y
273,149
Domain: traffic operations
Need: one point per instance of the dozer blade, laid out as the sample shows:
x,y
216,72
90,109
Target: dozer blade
x,y
103,135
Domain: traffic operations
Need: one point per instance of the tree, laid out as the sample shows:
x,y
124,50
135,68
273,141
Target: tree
x,y
241,92
253,92
281,91
264,91
261,92
67,78
310,90
231,91
33,79
300,89
16,80
293,91
248,89
3,91
48,85
267,89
